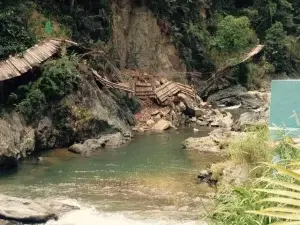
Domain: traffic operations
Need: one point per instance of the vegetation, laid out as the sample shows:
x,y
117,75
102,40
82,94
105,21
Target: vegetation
x,y
251,203
234,34
58,78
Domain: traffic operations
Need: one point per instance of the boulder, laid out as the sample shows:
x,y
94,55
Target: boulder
x,y
202,144
236,95
24,210
29,211
17,140
79,149
91,145
253,118
161,125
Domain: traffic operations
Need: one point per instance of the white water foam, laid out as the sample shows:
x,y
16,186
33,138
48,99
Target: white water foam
x,y
89,216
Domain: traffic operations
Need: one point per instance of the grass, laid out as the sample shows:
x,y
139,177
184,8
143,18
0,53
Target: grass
x,y
233,203
252,148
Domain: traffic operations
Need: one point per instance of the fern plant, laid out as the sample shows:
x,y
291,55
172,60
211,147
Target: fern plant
x,y
284,194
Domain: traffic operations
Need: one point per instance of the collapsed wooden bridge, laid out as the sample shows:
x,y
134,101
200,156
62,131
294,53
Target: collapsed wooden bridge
x,y
148,90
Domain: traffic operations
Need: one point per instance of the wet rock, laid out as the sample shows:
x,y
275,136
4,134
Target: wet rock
x,y
24,210
79,149
91,145
162,125
205,176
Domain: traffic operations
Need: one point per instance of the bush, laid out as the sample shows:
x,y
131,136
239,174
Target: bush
x,y
14,35
58,78
234,34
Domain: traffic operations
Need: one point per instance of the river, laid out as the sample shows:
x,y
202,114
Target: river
x,y
151,180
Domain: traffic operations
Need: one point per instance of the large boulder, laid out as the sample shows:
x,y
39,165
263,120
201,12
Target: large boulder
x,y
213,143
237,95
253,118
28,211
91,145
17,140
162,125
202,144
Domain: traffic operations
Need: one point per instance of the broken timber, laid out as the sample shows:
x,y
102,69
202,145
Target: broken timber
x,y
17,65
220,77
147,90
107,83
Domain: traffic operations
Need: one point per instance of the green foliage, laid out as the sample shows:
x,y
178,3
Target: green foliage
x,y
258,75
89,20
58,78
14,35
233,204
275,49
284,195
234,34
187,29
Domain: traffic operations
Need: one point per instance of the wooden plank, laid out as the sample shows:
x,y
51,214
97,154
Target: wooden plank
x,y
20,67
3,75
34,56
15,72
39,54
29,60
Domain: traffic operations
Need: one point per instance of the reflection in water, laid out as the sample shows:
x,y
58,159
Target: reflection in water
x,y
150,178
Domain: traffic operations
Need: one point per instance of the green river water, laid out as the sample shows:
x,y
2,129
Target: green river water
x,y
151,180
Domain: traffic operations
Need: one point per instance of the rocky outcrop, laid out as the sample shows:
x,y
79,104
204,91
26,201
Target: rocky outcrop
x,y
213,143
89,112
91,145
237,95
16,139
28,211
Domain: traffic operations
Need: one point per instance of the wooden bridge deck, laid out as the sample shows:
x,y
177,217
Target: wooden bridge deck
x,y
19,64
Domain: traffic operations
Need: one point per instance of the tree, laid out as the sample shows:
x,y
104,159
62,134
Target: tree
x,y
234,34
275,49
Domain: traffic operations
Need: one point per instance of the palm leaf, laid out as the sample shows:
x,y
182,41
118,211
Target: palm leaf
x,y
290,194
282,184
287,201
285,171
